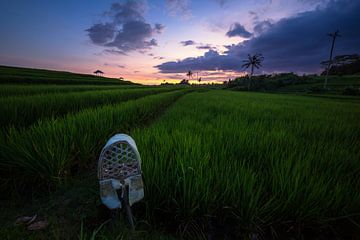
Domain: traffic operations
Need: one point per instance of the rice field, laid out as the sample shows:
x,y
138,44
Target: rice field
x,y
24,111
11,90
16,75
260,160
49,150
216,164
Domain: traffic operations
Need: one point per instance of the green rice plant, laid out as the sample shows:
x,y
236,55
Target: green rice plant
x,y
259,159
51,150
7,90
84,236
253,161
24,111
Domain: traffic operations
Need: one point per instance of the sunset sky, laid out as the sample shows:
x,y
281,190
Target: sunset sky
x,y
152,41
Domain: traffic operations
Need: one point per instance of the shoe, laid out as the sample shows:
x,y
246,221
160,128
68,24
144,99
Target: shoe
x,y
120,165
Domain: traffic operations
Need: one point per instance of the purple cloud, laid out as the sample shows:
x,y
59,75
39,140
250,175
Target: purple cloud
x,y
113,65
200,46
114,52
127,29
159,28
187,43
101,33
211,60
298,43
205,47
179,8
158,57
239,30
262,26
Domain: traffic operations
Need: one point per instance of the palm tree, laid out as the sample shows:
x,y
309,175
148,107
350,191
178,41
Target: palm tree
x,y
189,74
197,77
253,61
334,35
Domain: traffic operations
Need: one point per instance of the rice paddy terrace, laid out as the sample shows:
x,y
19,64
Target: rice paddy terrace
x,y
216,164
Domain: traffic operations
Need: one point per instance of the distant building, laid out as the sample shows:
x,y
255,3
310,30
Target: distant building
x,y
98,72
184,82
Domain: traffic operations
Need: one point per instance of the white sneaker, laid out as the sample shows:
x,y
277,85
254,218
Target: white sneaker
x,y
108,194
120,165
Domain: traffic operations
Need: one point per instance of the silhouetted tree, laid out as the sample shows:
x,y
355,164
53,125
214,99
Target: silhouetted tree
x,y
197,77
343,65
189,74
334,35
253,61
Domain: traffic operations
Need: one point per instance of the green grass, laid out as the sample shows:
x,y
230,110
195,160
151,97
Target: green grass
x,y
7,90
15,75
258,159
50,151
26,110
234,163
336,97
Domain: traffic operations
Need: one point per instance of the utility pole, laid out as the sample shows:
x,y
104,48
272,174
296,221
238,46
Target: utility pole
x,y
334,35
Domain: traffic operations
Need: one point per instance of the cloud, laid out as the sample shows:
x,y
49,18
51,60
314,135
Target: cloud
x,y
297,43
200,46
262,26
113,65
159,28
114,52
211,60
133,36
300,43
176,76
101,33
126,29
127,11
205,47
187,43
179,8
239,30
158,57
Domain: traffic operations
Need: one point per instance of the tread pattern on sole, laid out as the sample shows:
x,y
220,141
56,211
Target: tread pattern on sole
x,y
118,162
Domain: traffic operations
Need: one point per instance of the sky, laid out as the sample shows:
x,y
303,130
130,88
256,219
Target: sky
x,y
156,41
